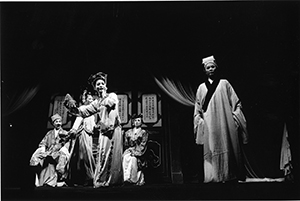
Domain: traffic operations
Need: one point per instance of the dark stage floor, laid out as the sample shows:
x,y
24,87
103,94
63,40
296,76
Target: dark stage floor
x,y
241,191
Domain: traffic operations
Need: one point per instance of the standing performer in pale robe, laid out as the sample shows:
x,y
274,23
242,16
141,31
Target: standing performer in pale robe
x,y
82,162
110,148
52,155
220,126
135,143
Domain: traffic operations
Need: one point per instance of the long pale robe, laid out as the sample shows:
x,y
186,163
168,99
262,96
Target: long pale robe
x,y
133,160
285,156
218,129
52,167
82,162
109,161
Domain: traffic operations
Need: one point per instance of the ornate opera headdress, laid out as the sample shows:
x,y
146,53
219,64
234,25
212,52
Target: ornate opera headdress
x,y
98,76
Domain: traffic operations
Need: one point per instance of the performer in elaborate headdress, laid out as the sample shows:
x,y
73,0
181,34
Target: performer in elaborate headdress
x,y
109,161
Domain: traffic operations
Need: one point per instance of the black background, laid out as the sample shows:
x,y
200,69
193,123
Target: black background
x,y
56,46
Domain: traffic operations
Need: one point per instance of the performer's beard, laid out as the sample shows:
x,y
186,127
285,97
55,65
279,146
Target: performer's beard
x,y
102,92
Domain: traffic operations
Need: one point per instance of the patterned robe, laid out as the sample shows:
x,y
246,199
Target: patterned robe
x,y
133,157
109,161
221,129
52,157
82,162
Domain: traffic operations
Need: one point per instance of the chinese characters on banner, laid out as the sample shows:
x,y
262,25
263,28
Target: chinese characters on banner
x,y
149,104
124,109
123,112
57,106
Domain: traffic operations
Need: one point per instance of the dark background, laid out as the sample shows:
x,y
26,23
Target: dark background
x,y
56,46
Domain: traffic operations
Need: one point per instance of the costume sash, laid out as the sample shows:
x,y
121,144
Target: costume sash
x,y
211,90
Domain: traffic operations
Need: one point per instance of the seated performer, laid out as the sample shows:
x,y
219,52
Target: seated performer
x,y
134,161
82,163
52,155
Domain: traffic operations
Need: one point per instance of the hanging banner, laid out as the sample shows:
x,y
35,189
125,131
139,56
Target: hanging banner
x,y
150,106
57,106
124,108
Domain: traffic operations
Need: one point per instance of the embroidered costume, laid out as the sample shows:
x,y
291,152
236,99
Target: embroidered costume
x,y
135,142
51,157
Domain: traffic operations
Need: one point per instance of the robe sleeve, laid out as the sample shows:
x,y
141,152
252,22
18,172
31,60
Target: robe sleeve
x,y
77,123
237,113
89,110
37,156
198,119
44,141
111,100
89,124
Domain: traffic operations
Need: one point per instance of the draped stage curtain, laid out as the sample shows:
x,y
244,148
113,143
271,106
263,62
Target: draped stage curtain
x,y
18,100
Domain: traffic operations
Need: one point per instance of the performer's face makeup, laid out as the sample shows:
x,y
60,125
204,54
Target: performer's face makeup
x,y
210,69
57,123
100,85
137,122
